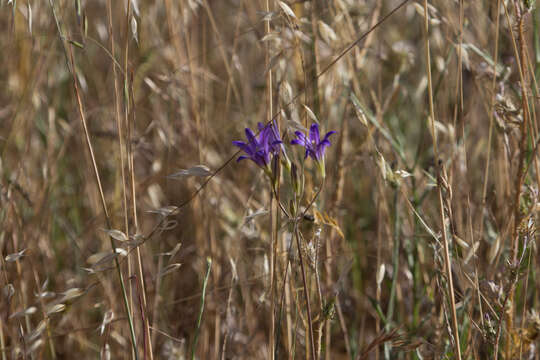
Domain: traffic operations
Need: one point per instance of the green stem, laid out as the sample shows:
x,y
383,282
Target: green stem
x,y
395,265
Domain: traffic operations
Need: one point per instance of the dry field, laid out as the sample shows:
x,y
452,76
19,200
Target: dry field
x,y
129,229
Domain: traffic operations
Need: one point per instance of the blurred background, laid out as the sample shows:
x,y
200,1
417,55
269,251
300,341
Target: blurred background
x,y
133,92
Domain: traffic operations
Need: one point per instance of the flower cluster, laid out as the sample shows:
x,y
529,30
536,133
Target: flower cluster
x,y
261,149
314,146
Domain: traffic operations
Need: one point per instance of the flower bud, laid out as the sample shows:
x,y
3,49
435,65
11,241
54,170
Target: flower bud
x,y
295,179
292,207
275,171
285,159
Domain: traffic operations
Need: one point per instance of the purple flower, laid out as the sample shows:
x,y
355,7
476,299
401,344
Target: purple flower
x,y
314,146
260,149
274,139
276,145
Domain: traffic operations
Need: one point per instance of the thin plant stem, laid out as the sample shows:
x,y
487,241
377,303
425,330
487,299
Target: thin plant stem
x,y
2,341
519,53
201,309
319,295
491,115
283,298
448,263
314,199
129,110
126,121
274,213
306,293
146,322
525,300
395,272
120,127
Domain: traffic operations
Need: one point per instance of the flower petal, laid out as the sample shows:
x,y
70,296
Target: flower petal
x,y
324,143
314,154
242,145
239,143
275,131
301,138
314,133
251,137
264,138
328,134
261,158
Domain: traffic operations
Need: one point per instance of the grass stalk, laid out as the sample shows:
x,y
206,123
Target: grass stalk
x,y
201,308
519,53
395,270
120,129
448,264
274,211
306,294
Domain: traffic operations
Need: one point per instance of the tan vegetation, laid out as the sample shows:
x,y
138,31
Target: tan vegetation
x,y
129,230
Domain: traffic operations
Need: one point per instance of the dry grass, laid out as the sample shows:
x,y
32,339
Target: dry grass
x,y
419,244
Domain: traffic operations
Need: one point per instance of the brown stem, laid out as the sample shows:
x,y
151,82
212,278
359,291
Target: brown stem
x,y
447,260
304,282
519,53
